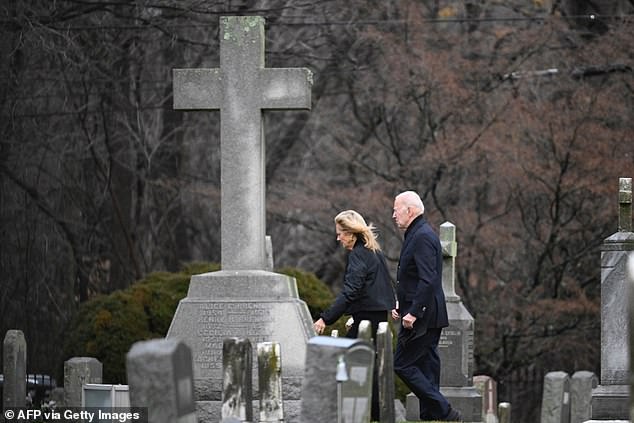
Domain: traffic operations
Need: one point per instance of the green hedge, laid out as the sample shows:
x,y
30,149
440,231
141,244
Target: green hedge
x,y
107,326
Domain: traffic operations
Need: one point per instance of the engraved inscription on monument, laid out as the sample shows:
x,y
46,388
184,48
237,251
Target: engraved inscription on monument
x,y
455,347
217,321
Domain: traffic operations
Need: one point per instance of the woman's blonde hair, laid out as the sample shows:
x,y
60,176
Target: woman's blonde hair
x,y
353,222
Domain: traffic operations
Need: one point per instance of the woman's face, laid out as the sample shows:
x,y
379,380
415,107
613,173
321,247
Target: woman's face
x,y
346,238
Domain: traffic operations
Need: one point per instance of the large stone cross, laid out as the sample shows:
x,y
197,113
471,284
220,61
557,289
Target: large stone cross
x,y
241,88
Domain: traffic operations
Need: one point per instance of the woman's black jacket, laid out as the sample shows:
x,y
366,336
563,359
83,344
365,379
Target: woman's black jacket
x,y
366,287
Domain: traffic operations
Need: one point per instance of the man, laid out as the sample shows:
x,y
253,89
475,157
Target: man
x,y
421,306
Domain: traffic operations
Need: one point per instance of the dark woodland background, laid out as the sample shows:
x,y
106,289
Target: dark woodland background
x,y
513,120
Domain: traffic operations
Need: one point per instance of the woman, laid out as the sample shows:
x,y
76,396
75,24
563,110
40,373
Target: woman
x,y
367,289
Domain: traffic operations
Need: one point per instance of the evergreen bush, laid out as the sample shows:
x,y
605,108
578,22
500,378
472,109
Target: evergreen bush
x,y
106,326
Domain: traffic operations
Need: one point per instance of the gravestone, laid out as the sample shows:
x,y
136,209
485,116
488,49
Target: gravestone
x,y
14,369
270,382
365,331
610,398
385,363
487,387
79,371
504,412
338,380
456,342
556,398
237,392
160,378
244,298
581,385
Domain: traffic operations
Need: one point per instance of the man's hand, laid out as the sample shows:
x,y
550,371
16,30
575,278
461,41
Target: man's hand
x,y
408,321
319,326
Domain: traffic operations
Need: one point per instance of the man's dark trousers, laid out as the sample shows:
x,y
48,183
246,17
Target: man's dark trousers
x,y
417,363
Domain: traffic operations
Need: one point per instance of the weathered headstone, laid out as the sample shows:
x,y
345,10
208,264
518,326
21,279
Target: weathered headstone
x,y
244,299
385,363
270,382
487,387
456,342
77,372
237,392
610,398
14,368
161,379
556,398
504,412
365,331
338,380
581,385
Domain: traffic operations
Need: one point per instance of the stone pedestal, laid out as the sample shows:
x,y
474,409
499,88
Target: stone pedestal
x,y
610,398
255,304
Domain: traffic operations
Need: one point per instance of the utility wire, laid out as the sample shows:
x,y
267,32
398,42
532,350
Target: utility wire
x,y
390,22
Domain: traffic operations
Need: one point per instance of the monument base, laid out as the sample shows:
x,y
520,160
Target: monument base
x,y
466,399
610,402
258,305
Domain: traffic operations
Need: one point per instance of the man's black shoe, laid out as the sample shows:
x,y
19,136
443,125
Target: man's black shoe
x,y
453,416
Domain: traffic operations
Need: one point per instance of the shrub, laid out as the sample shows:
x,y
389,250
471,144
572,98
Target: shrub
x,y
106,326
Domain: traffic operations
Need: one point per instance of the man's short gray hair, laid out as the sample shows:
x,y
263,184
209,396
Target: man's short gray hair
x,y
412,199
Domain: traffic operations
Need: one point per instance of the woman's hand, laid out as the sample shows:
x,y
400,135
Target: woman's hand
x,y
395,314
319,326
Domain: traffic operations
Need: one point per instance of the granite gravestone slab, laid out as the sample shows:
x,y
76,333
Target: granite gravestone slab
x,y
243,299
556,398
581,385
610,398
237,384
338,381
160,378
79,371
270,382
487,387
14,368
385,363
504,412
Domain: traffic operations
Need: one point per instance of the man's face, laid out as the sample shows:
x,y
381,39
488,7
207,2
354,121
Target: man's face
x,y
400,214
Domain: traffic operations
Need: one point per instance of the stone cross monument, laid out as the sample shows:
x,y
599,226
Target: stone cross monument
x,y
241,88
456,342
243,299
610,398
